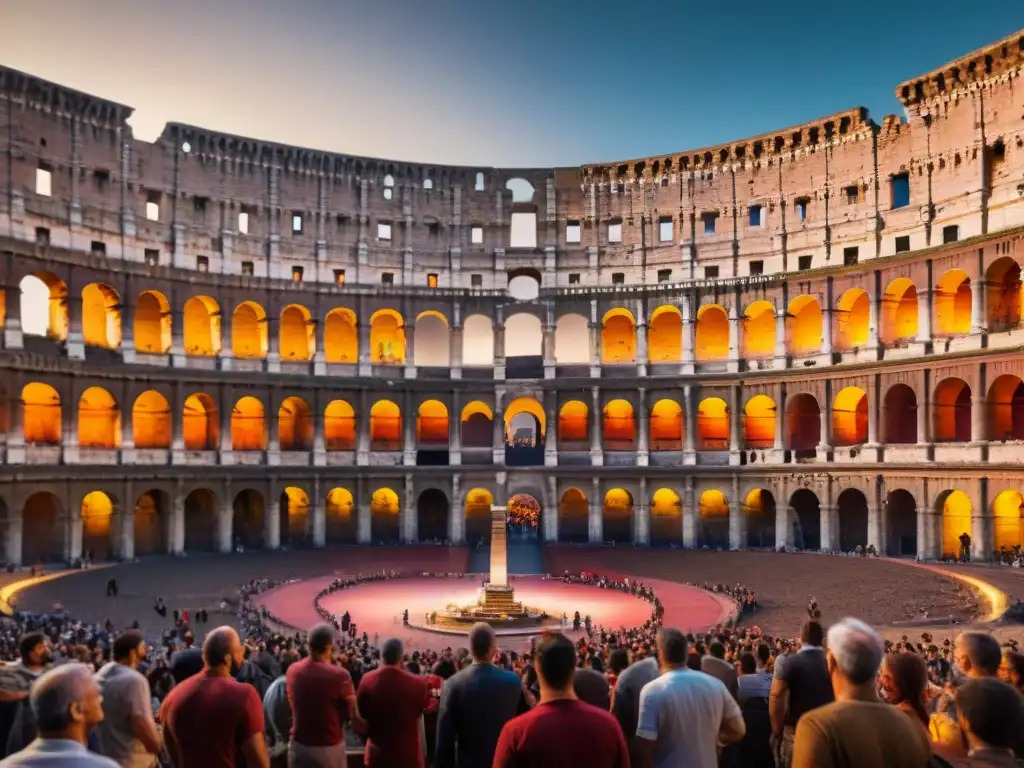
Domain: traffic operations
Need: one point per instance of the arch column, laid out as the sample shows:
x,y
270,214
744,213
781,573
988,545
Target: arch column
x,y
365,360
734,425
829,527
732,364
924,314
641,348
778,444
176,523
15,537
127,408
455,433
923,409
409,417
16,435
982,520
364,514
177,314
689,514
271,414
455,349
925,525
824,447
876,528
410,349
319,438
318,516
689,427
689,331
826,324
596,418
457,513
127,309
551,435
871,448
979,411
226,355
548,349
979,306
226,405
13,337
73,539
498,445
595,521
124,515
549,514
273,363
408,517
69,424
75,344
643,444
272,522
499,343
363,429
225,513
642,517
737,518
783,527
780,338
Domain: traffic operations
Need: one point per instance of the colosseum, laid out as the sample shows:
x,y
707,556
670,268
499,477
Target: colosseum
x,y
809,338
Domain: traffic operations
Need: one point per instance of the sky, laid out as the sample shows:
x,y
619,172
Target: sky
x,y
528,83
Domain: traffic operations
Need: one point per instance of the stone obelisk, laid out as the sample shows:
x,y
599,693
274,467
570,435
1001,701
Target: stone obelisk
x,y
499,548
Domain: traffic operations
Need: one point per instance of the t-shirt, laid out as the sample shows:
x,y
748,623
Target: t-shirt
x,y
852,734
626,707
317,693
723,670
805,674
210,717
566,733
682,712
592,687
392,701
757,685
125,697
14,678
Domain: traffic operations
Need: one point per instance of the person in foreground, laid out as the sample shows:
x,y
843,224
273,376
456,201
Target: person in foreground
x,y
684,714
991,717
858,728
128,734
67,705
561,731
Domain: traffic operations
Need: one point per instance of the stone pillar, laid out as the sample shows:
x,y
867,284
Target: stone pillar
x,y
737,518
596,416
641,349
363,445
272,524
75,344
16,413
319,436
825,443
829,528
73,549
689,514
734,425
226,352
225,515
126,543
499,432
225,408
499,344
13,338
273,342
924,316
176,524
733,362
923,409
780,338
876,528
364,515
548,351
318,515
69,424
979,309
127,425
595,522
826,324
642,417
874,414
875,317
979,411
410,350
15,535
128,300
272,414
365,349
455,352
408,518
642,517
689,427
455,431
595,348
408,431
689,329
551,435
783,527
925,526
780,420
457,515
551,512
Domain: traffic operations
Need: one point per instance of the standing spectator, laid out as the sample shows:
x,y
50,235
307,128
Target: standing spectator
x,y
320,694
858,729
991,716
977,654
186,662
561,731
754,682
626,705
475,705
1011,670
801,684
67,705
16,680
210,718
128,734
684,714
592,687
393,701
714,664
277,716
754,749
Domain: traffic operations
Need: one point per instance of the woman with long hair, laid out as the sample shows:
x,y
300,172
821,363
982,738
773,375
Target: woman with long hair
x,y
903,682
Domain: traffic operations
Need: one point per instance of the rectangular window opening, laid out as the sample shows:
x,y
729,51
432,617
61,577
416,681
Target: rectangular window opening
x,y
951,233
44,180
297,274
756,267
42,236
248,269
523,230
432,280
804,263
709,220
755,214
665,229
801,208
852,193
152,256
851,255
573,233
476,280
618,278
710,273
900,190
98,248
383,231
902,243
202,264
615,231
476,235
387,278
480,187
664,275
339,277
101,179
296,223
243,222
574,278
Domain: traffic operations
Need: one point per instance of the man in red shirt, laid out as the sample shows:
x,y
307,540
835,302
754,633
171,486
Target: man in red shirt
x,y
209,718
320,694
562,731
392,701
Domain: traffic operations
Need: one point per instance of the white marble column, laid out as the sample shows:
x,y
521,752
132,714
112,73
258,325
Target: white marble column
x,y
595,521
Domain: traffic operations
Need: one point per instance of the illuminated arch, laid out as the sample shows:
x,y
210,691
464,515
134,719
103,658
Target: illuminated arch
x,y
617,514
201,521
712,336
101,316
713,518
297,334
152,328
477,425
1008,521
666,433
432,423
523,336
99,420
1003,294
759,509
952,300
712,424
339,426
341,336
618,337
572,340
385,426
805,326
432,340
478,515
41,414
573,516
98,516
248,432
293,511
952,411
853,320
1006,408
387,337
249,335
956,510
201,423
295,425
151,421
574,422
759,422
384,515
758,330
850,417
665,335
619,426
803,424
900,408
666,517
477,341
248,525
899,311
524,405
39,290
340,524
202,335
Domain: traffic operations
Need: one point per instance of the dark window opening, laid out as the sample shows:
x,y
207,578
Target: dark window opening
x,y
804,262
757,267
850,255
710,273
709,220
476,280
297,274
339,277
664,275
248,270
902,243
754,215
98,248
202,264
387,278
574,278
801,207
951,233
618,278
101,179
42,235
852,193
901,190
152,257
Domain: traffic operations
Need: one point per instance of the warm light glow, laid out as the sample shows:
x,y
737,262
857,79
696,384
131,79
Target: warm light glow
x,y
387,338
665,335
899,311
952,299
713,504
101,316
341,337
202,327
339,426
152,329
712,425
295,425
805,326
248,432
432,340
432,423
666,433
852,320
249,337
573,422
297,334
850,417
99,420
1009,521
201,427
956,520
712,336
524,405
1003,294
41,413
952,411
294,512
44,306
619,426
1006,408
759,422
666,503
384,502
618,337
151,421
758,339
385,426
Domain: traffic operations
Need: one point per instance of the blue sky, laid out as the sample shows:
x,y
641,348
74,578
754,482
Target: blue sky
x,y
526,83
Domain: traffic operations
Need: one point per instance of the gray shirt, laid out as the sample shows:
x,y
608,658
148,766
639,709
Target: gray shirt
x,y
56,753
125,697
626,706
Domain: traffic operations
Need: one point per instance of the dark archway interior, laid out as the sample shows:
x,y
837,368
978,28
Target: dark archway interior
x,y
853,520
432,515
901,522
200,522
247,527
803,425
761,522
807,531
573,517
42,529
900,415
477,431
150,523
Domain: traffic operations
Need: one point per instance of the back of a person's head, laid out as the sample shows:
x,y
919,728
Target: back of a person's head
x,y
671,647
321,638
764,653
811,633
857,650
992,710
693,660
391,651
28,643
556,660
983,650
54,693
717,649
218,645
618,660
413,667
127,642
748,664
482,641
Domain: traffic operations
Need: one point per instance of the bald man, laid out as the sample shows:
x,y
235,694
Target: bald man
x,y
210,718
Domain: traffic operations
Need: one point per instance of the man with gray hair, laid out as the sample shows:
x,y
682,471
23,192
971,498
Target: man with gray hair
x,y
392,702
67,705
858,728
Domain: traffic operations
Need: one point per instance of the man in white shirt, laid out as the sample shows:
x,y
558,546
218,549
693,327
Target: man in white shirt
x,y
684,714
128,734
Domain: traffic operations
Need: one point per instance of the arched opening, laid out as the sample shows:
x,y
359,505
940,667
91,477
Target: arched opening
x,y
340,524
618,516
712,336
1003,294
1008,522
852,320
573,424
952,301
572,340
248,527
805,326
666,432
759,422
759,331
523,336
201,521
850,417
43,527
666,518
297,335
523,518
432,423
387,338
665,335
900,408
99,525
618,337
478,516
201,321
151,421
477,341
524,423
899,311
249,334
901,524
1006,408
523,285
573,516
384,516
803,425
152,328
295,425
339,426
101,316
759,510
248,432
99,420
619,426
432,340
712,425
200,423
956,510
713,513
44,290
432,515
41,413
149,523
852,508
952,411
807,523
477,425
341,337
385,426
293,517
